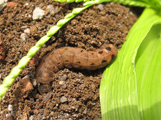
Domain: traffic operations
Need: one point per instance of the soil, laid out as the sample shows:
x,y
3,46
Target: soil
x,y
75,93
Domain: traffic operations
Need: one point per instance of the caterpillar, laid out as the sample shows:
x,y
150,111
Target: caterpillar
x,y
71,57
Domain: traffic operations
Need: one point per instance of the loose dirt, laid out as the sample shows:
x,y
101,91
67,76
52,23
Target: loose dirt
x,y
75,93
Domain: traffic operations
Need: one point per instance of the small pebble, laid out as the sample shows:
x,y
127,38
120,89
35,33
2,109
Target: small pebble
x,y
47,96
63,77
61,82
26,84
24,27
23,36
63,85
63,99
27,31
10,107
73,107
34,82
85,111
38,13
26,4
31,117
3,1
33,61
51,9
120,26
100,7
3,5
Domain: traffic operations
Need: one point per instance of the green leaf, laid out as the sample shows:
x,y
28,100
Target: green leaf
x,y
155,4
123,92
148,67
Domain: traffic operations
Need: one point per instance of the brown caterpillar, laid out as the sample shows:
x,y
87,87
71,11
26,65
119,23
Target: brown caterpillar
x,y
71,57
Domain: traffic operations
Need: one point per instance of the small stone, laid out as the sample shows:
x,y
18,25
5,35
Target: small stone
x,y
34,82
73,107
38,13
63,85
61,82
31,117
26,85
10,107
27,31
63,77
51,9
100,7
52,113
120,26
26,4
3,1
47,96
33,61
63,99
85,111
23,36
3,4
24,27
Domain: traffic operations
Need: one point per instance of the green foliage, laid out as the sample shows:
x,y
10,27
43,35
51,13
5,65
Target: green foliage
x,y
130,87
155,4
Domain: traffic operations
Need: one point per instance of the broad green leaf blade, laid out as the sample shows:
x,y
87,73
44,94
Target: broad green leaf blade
x,y
118,90
148,67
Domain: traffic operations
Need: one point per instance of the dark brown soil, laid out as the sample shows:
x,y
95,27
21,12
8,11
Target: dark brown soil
x,y
75,93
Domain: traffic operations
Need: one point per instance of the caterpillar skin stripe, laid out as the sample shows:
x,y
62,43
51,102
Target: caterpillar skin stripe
x,y
71,57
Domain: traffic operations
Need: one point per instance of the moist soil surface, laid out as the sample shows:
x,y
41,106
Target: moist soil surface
x,y
75,93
